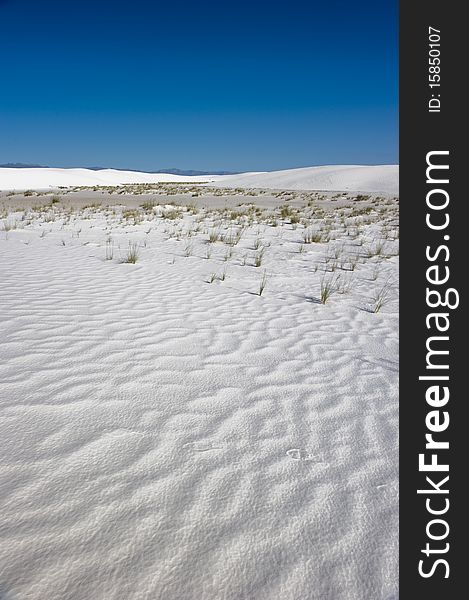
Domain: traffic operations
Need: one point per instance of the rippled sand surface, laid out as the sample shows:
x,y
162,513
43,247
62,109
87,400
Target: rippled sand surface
x,y
168,438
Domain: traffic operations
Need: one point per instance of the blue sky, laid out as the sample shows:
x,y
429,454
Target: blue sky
x,y
246,85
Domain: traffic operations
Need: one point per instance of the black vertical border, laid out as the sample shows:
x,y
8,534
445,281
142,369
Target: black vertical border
x,y
420,133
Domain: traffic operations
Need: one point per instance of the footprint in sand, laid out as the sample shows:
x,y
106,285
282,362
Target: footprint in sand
x,y
202,446
304,455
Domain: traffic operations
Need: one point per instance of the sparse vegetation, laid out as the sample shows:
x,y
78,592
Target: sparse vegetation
x,y
328,287
263,282
381,297
109,255
358,237
133,253
188,249
258,258
213,236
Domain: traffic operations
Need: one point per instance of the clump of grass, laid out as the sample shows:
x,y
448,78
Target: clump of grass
x,y
328,287
216,276
55,199
192,208
376,250
330,265
131,214
263,282
8,226
343,284
133,253
28,193
381,298
258,258
188,249
310,236
337,252
232,239
109,250
379,248
172,214
213,236
148,205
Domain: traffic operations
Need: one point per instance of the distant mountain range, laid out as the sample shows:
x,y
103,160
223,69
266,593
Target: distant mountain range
x,y
21,166
172,171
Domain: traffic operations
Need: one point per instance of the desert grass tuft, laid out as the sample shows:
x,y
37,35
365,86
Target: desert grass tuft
x,y
133,253
188,248
381,297
328,287
109,255
343,284
213,236
263,282
8,225
258,258
317,237
148,206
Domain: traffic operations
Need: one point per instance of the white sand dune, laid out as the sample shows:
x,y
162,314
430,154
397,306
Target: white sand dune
x,y
164,438
355,178
44,178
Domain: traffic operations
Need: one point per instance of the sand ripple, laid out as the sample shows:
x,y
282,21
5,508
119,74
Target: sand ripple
x,y
163,438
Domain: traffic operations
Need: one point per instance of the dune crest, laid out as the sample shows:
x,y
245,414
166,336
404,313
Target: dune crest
x,y
354,178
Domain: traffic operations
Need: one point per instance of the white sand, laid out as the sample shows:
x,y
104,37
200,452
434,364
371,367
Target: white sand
x,y
167,438
353,178
381,178
44,178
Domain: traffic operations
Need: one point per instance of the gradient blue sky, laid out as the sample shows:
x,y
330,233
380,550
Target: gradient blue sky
x,y
245,85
